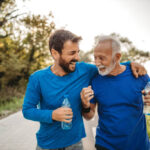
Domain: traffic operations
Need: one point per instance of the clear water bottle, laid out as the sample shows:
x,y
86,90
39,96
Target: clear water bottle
x,y
147,89
66,103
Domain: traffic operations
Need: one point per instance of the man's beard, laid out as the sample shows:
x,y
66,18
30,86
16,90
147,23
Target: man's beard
x,y
107,69
65,65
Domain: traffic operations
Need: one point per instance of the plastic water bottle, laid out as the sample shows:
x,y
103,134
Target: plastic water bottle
x,y
66,103
147,89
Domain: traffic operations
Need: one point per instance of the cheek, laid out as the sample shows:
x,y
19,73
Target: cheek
x,y
107,62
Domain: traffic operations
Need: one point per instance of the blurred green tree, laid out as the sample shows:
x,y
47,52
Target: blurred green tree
x,y
129,51
23,43
37,31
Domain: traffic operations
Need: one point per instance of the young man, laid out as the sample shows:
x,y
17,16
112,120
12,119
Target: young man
x,y
122,124
47,88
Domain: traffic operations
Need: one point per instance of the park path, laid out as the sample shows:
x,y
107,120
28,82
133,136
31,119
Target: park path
x,y
17,133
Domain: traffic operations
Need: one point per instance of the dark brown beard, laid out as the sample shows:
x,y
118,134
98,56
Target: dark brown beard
x,y
65,66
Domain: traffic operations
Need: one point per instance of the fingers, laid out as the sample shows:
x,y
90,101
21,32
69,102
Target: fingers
x,y
86,95
137,69
67,120
135,72
89,97
86,92
68,115
147,98
147,102
62,113
134,69
142,71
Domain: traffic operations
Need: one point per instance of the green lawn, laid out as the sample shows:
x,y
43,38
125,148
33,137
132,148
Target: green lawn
x,y
10,107
148,124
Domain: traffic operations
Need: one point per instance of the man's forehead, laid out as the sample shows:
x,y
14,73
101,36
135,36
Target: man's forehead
x,y
105,44
69,43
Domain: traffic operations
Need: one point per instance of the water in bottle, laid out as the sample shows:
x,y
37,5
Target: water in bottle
x,y
66,103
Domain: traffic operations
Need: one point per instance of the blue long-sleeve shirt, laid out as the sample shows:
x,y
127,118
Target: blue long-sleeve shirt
x,y
46,90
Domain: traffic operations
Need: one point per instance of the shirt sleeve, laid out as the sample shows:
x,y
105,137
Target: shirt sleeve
x,y
144,79
127,63
31,100
92,70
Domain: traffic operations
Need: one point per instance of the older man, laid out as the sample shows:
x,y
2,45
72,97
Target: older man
x,y
117,92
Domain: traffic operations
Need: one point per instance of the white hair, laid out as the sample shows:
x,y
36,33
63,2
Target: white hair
x,y
116,48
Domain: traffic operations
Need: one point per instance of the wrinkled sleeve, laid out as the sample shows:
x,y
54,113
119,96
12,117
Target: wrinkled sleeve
x,y
31,100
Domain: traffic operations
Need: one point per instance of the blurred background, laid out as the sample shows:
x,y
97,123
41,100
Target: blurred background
x,y
25,27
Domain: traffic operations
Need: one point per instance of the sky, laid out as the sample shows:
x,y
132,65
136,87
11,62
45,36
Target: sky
x,y
89,18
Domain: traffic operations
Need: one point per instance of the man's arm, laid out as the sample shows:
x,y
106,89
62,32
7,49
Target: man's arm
x,y
137,69
88,109
32,99
89,115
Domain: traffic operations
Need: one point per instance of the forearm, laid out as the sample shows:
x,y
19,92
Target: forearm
x,y
89,115
32,113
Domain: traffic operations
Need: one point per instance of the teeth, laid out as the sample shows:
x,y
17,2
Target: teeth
x,y
72,63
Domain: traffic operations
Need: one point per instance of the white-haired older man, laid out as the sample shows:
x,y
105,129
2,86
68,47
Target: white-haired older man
x,y
122,124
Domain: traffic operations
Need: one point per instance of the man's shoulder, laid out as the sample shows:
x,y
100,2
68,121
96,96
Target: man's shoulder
x,y
88,66
39,73
143,78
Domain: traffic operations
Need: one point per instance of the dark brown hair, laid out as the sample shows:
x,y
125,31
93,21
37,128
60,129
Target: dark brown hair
x,y
59,37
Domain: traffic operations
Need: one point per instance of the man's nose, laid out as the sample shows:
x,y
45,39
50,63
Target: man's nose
x,y
97,62
77,57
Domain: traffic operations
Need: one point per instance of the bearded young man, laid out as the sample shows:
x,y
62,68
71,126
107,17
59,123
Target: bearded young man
x,y
122,124
47,88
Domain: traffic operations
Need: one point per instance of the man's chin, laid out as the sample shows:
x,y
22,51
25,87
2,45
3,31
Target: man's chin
x,y
103,73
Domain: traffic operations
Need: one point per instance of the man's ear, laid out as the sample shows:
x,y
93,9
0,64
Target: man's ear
x,y
118,57
55,54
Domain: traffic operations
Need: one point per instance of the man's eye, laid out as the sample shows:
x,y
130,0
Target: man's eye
x,y
72,53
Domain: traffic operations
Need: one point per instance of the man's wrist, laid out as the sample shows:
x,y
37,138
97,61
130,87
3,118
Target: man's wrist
x,y
86,110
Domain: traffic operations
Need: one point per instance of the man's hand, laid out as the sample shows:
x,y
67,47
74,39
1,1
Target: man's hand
x,y
146,98
137,69
62,114
86,95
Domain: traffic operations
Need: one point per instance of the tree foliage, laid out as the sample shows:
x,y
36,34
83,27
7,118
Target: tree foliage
x,y
23,44
129,51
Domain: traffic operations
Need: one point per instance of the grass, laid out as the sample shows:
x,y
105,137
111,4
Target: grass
x,y
148,124
10,107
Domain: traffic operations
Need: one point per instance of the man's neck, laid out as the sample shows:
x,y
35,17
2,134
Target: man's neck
x,y
117,70
57,70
